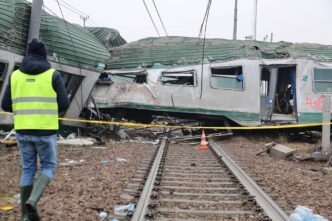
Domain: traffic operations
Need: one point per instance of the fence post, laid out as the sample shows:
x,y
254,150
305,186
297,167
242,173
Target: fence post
x,y
326,129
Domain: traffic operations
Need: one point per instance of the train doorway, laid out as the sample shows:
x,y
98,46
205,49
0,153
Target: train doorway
x,y
278,94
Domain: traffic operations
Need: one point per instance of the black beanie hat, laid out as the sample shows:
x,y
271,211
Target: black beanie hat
x,y
37,47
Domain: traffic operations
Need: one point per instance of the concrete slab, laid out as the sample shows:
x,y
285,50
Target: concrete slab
x,y
327,171
75,142
281,151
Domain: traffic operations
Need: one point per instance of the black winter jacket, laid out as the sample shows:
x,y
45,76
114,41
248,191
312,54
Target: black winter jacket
x,y
33,65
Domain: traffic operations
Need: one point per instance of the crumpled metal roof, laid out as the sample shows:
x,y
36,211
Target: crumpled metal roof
x,y
67,43
109,37
173,51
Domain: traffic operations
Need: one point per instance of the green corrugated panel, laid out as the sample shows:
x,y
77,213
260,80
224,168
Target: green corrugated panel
x,y
67,43
173,51
315,51
107,36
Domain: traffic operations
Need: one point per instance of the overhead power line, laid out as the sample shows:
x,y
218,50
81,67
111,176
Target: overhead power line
x,y
162,23
76,54
83,16
50,11
147,9
65,4
93,22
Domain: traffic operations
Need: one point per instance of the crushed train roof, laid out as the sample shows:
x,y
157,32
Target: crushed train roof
x,y
67,43
108,36
173,51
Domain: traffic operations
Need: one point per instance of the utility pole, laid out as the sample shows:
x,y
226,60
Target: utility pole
x,y
255,20
84,18
235,21
271,36
35,17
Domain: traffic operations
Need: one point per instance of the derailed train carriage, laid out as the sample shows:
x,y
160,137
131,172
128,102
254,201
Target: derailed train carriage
x,y
80,54
247,83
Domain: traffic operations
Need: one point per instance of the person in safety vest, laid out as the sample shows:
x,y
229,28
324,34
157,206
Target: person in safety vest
x,y
35,94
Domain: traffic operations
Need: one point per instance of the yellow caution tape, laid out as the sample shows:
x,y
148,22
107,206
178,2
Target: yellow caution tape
x,y
128,124
6,208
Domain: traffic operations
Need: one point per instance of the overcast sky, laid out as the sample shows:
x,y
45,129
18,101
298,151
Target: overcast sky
x,y
289,20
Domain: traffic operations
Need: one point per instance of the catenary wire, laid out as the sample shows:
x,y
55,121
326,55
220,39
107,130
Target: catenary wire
x,y
76,54
147,9
72,8
60,65
162,23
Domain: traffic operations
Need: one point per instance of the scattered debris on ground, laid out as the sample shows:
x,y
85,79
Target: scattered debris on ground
x,y
82,142
281,151
91,174
89,187
289,182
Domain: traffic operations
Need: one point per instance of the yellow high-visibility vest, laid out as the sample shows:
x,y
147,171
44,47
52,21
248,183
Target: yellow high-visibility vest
x,y
34,101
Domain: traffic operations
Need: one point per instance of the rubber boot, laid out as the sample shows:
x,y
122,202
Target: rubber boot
x,y
37,192
25,194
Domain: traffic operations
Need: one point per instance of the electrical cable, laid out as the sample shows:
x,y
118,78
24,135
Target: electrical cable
x,y
76,54
73,8
93,22
162,23
147,9
206,17
76,11
56,61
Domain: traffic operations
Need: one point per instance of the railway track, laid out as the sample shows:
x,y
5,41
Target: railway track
x,y
185,183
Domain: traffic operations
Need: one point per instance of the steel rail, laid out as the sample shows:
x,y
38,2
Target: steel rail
x,y
142,205
271,209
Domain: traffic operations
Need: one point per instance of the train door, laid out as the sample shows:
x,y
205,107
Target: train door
x,y
278,93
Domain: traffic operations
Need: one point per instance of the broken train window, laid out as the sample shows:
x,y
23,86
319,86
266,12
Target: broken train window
x,y
3,71
138,77
72,83
227,78
186,78
323,80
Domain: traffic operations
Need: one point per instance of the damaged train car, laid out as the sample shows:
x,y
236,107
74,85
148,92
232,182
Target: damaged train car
x,y
80,54
245,83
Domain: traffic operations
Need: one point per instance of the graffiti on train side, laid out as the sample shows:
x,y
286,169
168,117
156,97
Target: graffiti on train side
x,y
317,104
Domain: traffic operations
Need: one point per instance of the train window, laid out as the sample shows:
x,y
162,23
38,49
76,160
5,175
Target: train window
x,y
227,78
139,77
72,83
3,70
265,80
323,80
183,78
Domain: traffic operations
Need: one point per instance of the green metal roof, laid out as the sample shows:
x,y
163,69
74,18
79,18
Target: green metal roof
x,y
67,43
107,36
172,51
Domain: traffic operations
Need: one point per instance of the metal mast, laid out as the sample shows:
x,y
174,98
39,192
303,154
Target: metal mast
x,y
235,21
255,20
36,9
84,18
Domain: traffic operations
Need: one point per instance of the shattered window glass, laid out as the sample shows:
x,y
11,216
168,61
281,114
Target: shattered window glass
x,y
177,78
323,80
72,83
227,78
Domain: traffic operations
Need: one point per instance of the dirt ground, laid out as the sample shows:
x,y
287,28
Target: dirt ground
x,y
289,182
77,192
80,192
